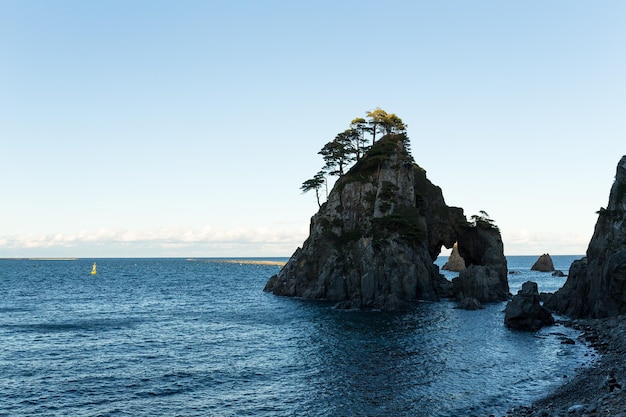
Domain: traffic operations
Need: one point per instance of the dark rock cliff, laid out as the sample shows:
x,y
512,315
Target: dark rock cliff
x,y
596,286
373,243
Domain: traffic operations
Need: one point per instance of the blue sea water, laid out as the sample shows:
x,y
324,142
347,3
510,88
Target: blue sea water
x,y
177,337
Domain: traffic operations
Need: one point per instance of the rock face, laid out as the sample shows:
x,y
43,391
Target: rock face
x,y
596,285
482,283
543,264
486,276
455,262
374,241
524,311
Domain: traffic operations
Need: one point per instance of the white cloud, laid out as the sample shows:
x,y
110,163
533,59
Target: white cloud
x,y
212,241
206,241
524,242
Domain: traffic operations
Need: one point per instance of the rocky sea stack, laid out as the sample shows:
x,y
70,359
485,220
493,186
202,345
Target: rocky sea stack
x,y
596,286
455,262
543,264
373,242
525,312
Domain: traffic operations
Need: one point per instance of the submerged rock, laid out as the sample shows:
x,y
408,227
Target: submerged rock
x,y
596,285
374,242
470,304
543,264
524,311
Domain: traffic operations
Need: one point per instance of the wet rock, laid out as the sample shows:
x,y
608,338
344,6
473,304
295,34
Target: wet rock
x,y
558,273
524,311
591,387
470,304
444,287
612,382
578,408
543,296
481,282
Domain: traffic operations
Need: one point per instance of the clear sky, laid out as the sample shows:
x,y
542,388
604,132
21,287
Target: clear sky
x,y
185,128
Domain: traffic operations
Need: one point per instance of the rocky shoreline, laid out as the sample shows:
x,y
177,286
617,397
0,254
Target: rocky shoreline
x,y
595,390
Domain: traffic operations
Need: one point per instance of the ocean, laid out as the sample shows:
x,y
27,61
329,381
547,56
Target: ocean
x,y
181,337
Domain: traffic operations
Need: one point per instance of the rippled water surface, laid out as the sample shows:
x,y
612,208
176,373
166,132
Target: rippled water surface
x,y
173,337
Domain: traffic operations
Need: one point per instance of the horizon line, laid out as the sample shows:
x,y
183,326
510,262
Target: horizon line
x,y
190,258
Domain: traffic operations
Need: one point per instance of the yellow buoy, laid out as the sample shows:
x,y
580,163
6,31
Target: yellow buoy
x,y
93,269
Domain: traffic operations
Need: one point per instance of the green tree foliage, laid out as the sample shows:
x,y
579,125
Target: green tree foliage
x,y
351,145
394,125
316,184
376,118
337,154
358,128
384,123
482,219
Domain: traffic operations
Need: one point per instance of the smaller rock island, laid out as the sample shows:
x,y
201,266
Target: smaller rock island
x,y
455,262
543,264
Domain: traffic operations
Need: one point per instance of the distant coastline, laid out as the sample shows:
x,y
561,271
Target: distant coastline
x,y
240,261
39,259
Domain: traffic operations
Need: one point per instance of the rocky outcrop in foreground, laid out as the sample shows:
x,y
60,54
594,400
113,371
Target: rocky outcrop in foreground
x,y
596,285
599,390
374,241
524,311
543,264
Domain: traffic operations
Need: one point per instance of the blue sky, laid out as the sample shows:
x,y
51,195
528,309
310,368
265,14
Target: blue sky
x,y
185,128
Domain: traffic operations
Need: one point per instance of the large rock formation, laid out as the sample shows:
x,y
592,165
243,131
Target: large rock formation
x,y
524,311
486,276
374,241
596,286
543,264
455,262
